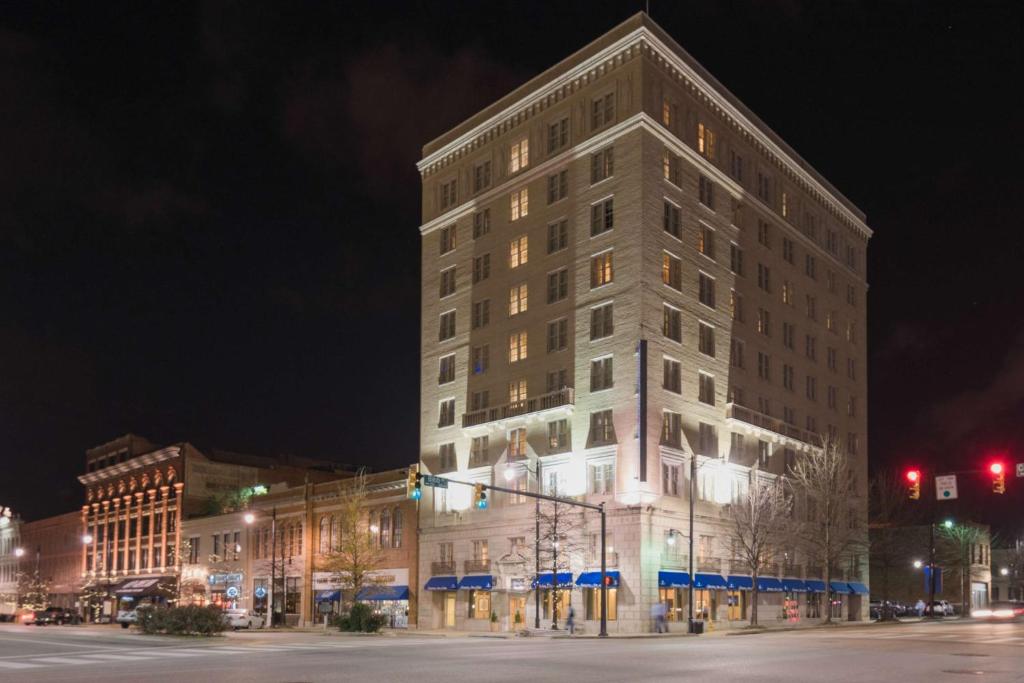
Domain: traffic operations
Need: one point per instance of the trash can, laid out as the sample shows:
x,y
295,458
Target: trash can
x,y
696,626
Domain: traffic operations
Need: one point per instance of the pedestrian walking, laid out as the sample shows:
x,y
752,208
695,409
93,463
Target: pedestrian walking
x,y
658,611
919,607
570,622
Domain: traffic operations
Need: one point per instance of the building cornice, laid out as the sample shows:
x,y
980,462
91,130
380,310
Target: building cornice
x,y
137,463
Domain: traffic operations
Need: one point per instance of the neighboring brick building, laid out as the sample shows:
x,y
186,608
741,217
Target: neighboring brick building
x,y
57,543
624,268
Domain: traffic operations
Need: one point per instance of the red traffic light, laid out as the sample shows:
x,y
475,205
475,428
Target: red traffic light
x,y
913,476
996,468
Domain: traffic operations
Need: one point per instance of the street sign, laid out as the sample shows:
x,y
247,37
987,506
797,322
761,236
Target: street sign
x,y
1020,469
436,482
945,487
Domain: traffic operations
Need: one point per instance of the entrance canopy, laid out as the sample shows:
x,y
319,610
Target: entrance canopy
x,y
858,588
477,582
815,585
673,579
327,596
140,588
740,583
712,581
794,586
840,586
593,579
767,584
441,583
544,580
371,593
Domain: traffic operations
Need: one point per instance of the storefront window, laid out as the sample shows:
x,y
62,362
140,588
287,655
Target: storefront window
x,y
813,605
592,600
479,604
563,603
737,605
673,599
291,604
260,593
705,603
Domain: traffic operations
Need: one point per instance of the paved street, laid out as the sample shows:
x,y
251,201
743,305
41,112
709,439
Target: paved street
x,y
909,652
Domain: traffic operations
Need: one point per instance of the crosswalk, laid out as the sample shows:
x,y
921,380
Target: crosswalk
x,y
960,637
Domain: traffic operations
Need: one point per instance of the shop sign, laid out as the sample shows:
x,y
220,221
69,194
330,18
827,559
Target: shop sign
x,y
517,584
232,592
329,581
217,579
260,592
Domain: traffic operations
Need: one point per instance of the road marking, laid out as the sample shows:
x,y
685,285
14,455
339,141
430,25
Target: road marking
x,y
58,643
63,660
166,652
119,658
18,665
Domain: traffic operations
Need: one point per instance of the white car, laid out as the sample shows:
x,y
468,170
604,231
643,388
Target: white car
x,y
243,618
127,617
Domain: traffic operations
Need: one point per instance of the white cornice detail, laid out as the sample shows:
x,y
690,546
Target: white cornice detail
x,y
136,463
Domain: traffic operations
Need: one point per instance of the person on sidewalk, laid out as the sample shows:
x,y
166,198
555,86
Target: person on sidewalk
x,y
658,611
919,607
570,622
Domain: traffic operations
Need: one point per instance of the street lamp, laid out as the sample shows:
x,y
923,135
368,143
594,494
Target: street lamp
x,y
18,552
86,539
917,564
693,493
510,475
1004,572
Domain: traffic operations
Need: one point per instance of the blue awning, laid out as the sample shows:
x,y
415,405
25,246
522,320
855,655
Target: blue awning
x,y
441,583
709,581
477,582
593,579
371,593
794,586
544,580
840,586
815,585
673,580
740,583
858,588
768,584
327,596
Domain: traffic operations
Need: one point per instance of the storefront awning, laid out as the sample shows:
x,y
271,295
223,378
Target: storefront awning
x,y
441,583
794,586
740,583
371,593
544,580
593,579
673,580
858,588
327,596
714,581
840,586
477,582
815,585
138,588
767,584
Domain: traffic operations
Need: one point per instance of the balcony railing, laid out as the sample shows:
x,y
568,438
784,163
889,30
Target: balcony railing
x,y
815,572
770,569
476,566
675,561
772,424
555,399
442,568
611,559
709,564
792,570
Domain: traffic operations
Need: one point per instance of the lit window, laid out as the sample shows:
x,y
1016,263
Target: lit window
x,y
601,269
518,251
672,271
517,346
517,299
517,391
519,203
705,141
666,113
519,155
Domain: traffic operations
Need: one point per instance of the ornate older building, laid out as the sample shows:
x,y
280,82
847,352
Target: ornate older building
x,y
10,543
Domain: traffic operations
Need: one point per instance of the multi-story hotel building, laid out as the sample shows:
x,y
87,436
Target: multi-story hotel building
x,y
624,268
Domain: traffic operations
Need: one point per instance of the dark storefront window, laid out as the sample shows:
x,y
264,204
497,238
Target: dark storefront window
x,y
260,595
291,605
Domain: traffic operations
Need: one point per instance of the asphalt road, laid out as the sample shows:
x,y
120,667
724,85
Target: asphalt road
x,y
892,653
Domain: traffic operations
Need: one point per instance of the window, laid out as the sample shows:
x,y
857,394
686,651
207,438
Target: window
x,y
706,241
193,549
671,429
558,285
447,282
446,454
601,269
558,335
479,604
736,447
558,436
481,314
385,528
672,271
764,454
735,259
812,388
787,292
519,204
446,326
396,528
851,368
673,220
602,111
763,235
449,194
517,391
736,305
736,166
479,400
669,479
602,431
601,377
764,368
809,267
558,135
787,376
557,380
832,357
446,413
707,439
788,333
666,113
481,223
518,251
481,268
671,379
447,239
706,388
851,295
517,442
764,405
670,167
481,176
764,322
602,217
601,323
764,188
517,346
519,155
705,141
672,323
851,443
706,192
446,369
812,307
785,205
602,478
736,352
851,333
481,358
558,186
832,395
787,250
706,289
706,339
811,347
764,275
789,458
558,236
602,165
518,299
812,424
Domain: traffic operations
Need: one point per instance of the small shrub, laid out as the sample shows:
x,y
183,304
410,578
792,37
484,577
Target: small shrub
x,y
186,620
361,619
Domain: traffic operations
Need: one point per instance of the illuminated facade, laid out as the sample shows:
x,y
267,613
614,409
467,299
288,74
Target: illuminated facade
x,y
623,269
10,542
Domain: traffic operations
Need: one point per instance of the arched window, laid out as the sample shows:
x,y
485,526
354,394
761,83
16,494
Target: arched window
x,y
325,535
298,538
396,529
374,527
385,528
335,533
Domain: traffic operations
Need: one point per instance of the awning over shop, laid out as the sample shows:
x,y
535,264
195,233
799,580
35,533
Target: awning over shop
x,y
327,596
740,583
477,582
371,593
138,588
673,580
714,581
858,588
441,583
794,586
815,585
544,580
593,579
840,586
767,584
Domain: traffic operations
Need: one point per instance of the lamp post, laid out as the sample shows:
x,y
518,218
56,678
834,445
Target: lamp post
x,y
250,517
510,475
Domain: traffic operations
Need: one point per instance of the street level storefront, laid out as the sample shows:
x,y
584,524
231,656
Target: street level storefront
x,y
387,594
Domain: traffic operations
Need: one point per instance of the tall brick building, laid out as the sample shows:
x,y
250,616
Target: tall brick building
x,y
623,269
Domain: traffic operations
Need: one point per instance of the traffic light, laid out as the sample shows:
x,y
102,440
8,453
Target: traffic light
x,y
479,497
412,484
998,477
914,484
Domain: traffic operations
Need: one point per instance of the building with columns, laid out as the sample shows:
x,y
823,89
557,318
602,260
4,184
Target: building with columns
x,y
10,559
626,272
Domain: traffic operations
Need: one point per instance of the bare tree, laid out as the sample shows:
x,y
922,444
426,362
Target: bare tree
x,y
831,528
761,522
889,513
561,528
958,543
357,554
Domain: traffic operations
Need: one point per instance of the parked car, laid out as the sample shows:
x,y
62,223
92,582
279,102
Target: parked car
x,y
61,615
941,608
243,618
127,617
1000,611
41,617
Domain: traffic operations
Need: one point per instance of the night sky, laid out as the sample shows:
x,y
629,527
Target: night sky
x,y
209,211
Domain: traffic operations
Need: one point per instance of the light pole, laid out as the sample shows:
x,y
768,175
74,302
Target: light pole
x,y
250,517
510,475
18,553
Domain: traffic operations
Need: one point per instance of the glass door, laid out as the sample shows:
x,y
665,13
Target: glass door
x,y
517,605
449,609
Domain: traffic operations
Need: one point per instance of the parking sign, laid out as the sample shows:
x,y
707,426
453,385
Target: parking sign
x,y
945,487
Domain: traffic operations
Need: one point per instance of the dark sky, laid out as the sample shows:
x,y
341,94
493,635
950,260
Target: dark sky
x,y
209,211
